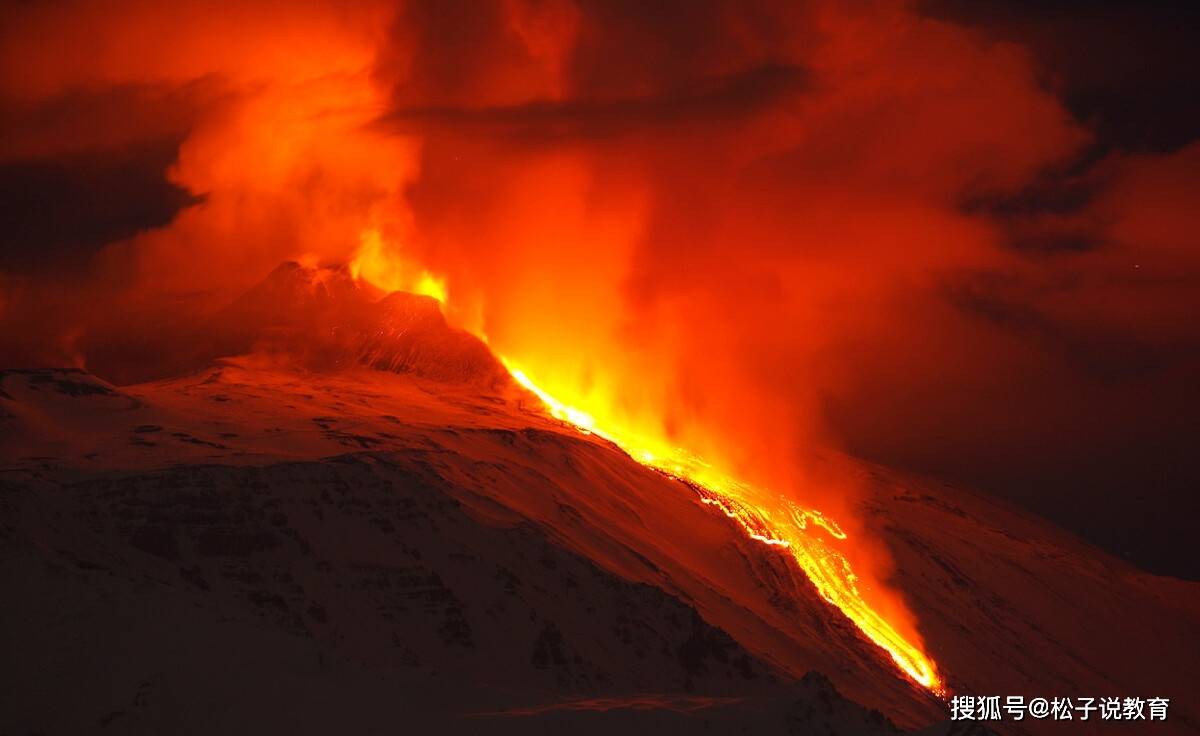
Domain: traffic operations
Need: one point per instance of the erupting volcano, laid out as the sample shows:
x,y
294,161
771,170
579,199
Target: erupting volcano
x,y
812,549
543,365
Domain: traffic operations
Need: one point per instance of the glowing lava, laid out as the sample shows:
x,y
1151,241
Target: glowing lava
x,y
378,264
806,534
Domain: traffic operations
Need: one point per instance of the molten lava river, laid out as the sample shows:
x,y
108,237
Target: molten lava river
x,y
807,535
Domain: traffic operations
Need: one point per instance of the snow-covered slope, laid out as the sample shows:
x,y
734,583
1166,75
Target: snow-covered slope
x,y
250,550
407,526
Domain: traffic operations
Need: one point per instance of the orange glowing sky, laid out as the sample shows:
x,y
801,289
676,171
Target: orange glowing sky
x,y
744,229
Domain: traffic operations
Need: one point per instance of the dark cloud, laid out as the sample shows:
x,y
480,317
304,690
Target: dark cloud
x,y
88,166
100,117
740,95
56,213
1125,67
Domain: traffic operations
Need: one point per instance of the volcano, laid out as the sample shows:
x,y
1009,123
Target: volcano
x,y
341,513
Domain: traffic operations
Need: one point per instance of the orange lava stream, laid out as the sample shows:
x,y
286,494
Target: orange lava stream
x,y
806,534
791,527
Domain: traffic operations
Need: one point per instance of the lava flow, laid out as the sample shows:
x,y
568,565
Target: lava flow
x,y
829,571
787,526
